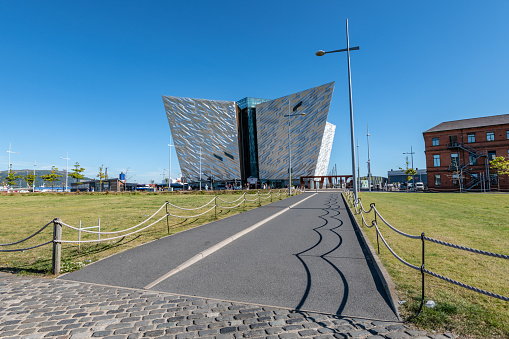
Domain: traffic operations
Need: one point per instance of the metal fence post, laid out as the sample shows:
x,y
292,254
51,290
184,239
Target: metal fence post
x,y
422,274
215,206
377,241
57,246
167,218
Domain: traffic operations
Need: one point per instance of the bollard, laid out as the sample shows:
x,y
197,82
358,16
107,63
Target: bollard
x,y
215,207
57,246
259,203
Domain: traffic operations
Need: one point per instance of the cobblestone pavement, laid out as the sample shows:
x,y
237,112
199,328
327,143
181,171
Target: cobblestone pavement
x,y
45,308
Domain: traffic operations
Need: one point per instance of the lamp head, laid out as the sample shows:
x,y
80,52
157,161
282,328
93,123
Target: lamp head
x,y
320,53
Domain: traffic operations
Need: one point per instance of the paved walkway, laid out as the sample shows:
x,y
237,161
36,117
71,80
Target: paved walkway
x,y
301,274
33,308
308,258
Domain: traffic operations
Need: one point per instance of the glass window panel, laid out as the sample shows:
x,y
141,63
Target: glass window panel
x,y
435,142
471,138
436,160
490,136
437,180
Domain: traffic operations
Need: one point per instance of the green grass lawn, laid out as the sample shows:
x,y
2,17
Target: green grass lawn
x,y
474,220
22,215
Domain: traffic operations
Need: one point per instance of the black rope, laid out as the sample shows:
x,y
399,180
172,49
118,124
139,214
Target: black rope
x,y
27,248
20,241
475,289
464,248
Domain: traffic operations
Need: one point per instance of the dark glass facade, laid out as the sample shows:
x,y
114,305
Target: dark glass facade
x,y
248,143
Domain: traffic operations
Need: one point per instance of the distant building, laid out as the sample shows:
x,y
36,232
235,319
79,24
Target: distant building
x,y
111,185
399,176
458,153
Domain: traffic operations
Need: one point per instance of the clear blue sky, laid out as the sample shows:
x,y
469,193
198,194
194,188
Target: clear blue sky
x,y
86,77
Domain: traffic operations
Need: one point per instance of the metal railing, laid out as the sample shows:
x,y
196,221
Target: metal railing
x,y
359,209
58,224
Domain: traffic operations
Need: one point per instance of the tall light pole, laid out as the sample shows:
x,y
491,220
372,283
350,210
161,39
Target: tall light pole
x,y
169,169
9,164
412,155
200,168
290,115
35,164
369,161
358,169
352,138
67,169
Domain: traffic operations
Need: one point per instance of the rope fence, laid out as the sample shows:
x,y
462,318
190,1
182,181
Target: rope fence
x,y
359,209
59,224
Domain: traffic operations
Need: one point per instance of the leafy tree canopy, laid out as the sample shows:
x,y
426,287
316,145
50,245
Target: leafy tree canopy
x,y
77,172
52,177
11,177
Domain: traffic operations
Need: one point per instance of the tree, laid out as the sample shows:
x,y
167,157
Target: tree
x,y
101,175
76,173
52,177
501,165
30,179
11,177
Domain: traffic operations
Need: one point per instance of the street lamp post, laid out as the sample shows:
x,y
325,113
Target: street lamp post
x,y
33,187
67,169
9,164
358,169
369,161
412,155
169,169
200,168
352,141
289,115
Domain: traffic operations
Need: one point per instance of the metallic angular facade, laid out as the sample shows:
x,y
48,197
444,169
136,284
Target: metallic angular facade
x,y
307,134
209,126
322,163
250,137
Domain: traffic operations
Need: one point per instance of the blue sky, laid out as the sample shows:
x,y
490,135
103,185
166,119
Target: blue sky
x,y
86,77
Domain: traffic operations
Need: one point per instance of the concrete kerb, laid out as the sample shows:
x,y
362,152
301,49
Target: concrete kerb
x,y
385,278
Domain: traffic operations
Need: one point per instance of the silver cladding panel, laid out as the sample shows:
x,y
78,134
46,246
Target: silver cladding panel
x,y
211,124
306,132
322,163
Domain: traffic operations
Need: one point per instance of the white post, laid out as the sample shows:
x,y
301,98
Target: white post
x,y
200,168
169,169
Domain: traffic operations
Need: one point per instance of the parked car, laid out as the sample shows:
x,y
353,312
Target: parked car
x,y
419,186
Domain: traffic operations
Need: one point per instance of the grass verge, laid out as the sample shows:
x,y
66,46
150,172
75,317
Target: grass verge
x,y
473,220
22,215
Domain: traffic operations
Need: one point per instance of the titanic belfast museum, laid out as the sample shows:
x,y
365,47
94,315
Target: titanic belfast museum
x,y
252,138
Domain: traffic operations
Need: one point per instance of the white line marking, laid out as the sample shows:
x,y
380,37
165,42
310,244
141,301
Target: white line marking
x,y
218,246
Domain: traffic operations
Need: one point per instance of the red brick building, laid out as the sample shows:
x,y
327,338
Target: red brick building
x,y
458,153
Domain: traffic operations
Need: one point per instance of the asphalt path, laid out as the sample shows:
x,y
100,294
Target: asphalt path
x,y
308,258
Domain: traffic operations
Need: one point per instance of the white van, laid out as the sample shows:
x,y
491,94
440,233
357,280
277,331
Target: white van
x,y
419,186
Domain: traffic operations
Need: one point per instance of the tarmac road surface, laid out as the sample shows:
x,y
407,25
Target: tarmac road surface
x,y
308,258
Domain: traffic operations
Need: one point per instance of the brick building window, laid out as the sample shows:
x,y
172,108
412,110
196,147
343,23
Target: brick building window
x,y
437,180
436,143
490,136
472,159
454,160
455,180
471,138
436,160
507,134
492,155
